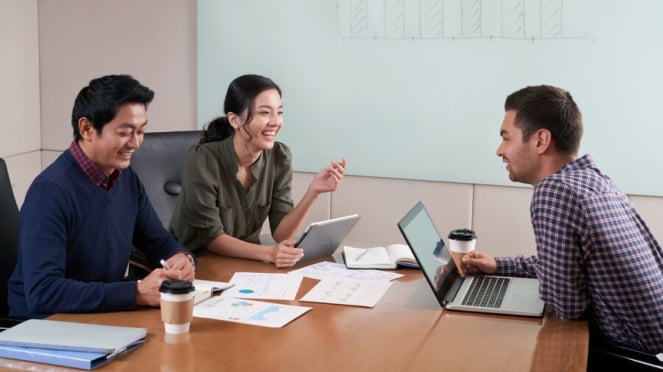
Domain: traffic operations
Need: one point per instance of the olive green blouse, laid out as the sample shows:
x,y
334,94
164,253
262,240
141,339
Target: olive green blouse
x,y
213,202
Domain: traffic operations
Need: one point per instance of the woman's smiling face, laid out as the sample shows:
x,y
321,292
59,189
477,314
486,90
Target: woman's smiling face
x,y
260,133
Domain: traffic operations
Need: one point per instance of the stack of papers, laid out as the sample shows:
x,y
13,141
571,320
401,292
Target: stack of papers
x,y
338,285
237,303
77,345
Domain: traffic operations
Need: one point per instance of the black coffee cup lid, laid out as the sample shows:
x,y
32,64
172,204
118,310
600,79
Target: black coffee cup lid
x,y
462,234
176,286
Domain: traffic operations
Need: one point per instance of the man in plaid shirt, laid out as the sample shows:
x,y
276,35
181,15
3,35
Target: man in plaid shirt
x,y
596,258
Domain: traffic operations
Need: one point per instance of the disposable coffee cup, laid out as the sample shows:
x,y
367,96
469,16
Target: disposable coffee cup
x,y
461,242
176,305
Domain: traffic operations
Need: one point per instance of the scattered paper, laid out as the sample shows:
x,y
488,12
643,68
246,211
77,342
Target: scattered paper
x,y
263,286
344,291
264,314
327,269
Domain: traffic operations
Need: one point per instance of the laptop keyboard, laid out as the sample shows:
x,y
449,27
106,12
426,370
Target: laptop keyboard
x,y
486,291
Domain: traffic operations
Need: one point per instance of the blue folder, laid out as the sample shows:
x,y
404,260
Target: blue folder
x,y
66,358
71,344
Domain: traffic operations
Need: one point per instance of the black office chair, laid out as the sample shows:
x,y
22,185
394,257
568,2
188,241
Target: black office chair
x,y
606,357
8,241
159,163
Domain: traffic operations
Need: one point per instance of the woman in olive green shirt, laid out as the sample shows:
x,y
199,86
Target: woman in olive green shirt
x,y
239,175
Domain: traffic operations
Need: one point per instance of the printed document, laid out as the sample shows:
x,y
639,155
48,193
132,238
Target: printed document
x,y
263,286
264,314
347,291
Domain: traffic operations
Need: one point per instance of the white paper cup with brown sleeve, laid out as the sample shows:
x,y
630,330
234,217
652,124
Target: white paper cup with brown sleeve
x,y
176,305
461,242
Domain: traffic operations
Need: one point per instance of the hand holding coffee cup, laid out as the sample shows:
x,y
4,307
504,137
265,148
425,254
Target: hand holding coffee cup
x,y
461,242
176,305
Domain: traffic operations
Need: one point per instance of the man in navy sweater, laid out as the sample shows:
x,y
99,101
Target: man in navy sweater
x,y
83,214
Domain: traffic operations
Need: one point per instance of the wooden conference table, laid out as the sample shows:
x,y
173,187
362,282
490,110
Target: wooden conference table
x,y
405,331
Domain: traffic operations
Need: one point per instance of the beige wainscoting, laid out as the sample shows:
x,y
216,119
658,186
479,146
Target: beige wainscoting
x,y
651,210
499,214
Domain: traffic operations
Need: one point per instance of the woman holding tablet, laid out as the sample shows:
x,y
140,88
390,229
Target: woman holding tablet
x,y
239,175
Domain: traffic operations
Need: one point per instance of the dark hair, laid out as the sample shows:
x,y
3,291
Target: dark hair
x,y
551,108
102,98
240,96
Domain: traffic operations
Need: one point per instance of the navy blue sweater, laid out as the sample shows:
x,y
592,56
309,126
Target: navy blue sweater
x,y
75,241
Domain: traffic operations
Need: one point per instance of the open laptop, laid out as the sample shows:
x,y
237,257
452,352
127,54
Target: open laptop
x,y
503,295
322,238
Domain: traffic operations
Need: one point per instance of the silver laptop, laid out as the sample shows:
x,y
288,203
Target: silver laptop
x,y
479,293
322,238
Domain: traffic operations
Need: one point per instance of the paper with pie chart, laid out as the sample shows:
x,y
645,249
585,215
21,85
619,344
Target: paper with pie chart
x,y
263,286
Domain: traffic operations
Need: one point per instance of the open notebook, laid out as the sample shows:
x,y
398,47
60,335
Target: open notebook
x,y
205,289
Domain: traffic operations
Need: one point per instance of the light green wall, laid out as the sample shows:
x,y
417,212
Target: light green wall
x,y
415,88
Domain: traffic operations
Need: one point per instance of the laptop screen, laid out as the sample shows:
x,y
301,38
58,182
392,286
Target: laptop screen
x,y
428,247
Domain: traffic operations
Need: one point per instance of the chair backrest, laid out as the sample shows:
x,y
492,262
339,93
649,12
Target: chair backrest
x,y
8,234
606,357
159,163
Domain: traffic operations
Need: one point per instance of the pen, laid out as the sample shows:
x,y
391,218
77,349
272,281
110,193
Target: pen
x,y
164,264
216,290
361,254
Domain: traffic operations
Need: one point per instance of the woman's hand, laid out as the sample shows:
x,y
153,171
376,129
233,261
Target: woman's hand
x,y
285,254
329,178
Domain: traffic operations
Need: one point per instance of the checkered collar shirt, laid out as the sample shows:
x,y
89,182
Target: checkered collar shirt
x,y
93,172
596,257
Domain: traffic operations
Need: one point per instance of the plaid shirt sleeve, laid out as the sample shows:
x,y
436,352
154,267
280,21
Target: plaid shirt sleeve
x,y
517,266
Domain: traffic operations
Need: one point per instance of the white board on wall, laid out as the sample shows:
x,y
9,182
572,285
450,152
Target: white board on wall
x,y
415,88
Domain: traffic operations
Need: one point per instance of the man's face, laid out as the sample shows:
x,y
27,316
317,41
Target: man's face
x,y
113,147
520,157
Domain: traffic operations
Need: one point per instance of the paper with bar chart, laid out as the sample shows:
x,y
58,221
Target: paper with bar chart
x,y
260,313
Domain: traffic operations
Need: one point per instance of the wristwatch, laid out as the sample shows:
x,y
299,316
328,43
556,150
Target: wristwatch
x,y
192,260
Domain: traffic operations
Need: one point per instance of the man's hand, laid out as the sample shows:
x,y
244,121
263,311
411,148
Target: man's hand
x,y
180,267
475,262
147,290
